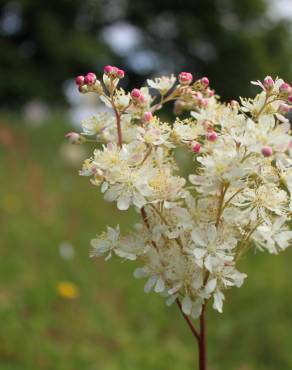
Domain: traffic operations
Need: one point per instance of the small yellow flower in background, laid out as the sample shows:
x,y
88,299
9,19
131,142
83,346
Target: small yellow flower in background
x,y
68,290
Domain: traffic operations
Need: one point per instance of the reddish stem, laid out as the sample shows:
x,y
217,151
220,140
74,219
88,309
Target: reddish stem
x,y
202,342
188,320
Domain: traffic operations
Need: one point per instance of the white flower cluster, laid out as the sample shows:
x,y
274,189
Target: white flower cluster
x,y
238,195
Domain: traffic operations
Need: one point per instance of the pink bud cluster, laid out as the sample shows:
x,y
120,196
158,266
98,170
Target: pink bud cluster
x,y
285,91
185,78
113,72
87,83
89,79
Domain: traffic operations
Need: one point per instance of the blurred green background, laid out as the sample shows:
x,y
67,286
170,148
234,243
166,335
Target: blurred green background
x,y
59,310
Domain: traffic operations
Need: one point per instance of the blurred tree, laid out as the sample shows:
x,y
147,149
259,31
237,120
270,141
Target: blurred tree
x,y
45,43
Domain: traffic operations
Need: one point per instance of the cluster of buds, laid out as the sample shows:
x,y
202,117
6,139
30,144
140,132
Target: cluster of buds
x,y
114,72
88,83
190,95
185,78
284,90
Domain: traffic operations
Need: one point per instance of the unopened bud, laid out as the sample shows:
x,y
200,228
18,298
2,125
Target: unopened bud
x,y
79,80
290,99
136,94
205,81
267,151
74,138
195,147
185,78
212,136
268,83
284,108
108,70
285,88
90,78
120,73
148,116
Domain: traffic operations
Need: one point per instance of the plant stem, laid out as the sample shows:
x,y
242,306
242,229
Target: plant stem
x,y
119,129
202,342
188,320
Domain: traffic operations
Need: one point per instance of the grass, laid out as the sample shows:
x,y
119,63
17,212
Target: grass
x,y
112,325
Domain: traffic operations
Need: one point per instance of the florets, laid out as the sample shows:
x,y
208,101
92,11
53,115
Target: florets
x,y
193,230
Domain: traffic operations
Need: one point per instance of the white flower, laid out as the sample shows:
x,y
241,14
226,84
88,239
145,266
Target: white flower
x,y
261,201
97,123
275,237
105,243
162,84
211,248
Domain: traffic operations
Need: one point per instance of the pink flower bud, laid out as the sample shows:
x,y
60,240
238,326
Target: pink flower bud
x,y
136,94
285,88
267,151
212,136
108,69
290,99
142,99
74,137
120,73
284,108
268,83
90,78
195,147
185,78
148,116
205,81
79,80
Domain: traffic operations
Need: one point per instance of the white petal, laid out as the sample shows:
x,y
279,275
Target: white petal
x,y
139,273
199,253
159,286
211,285
218,301
123,202
150,284
187,305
